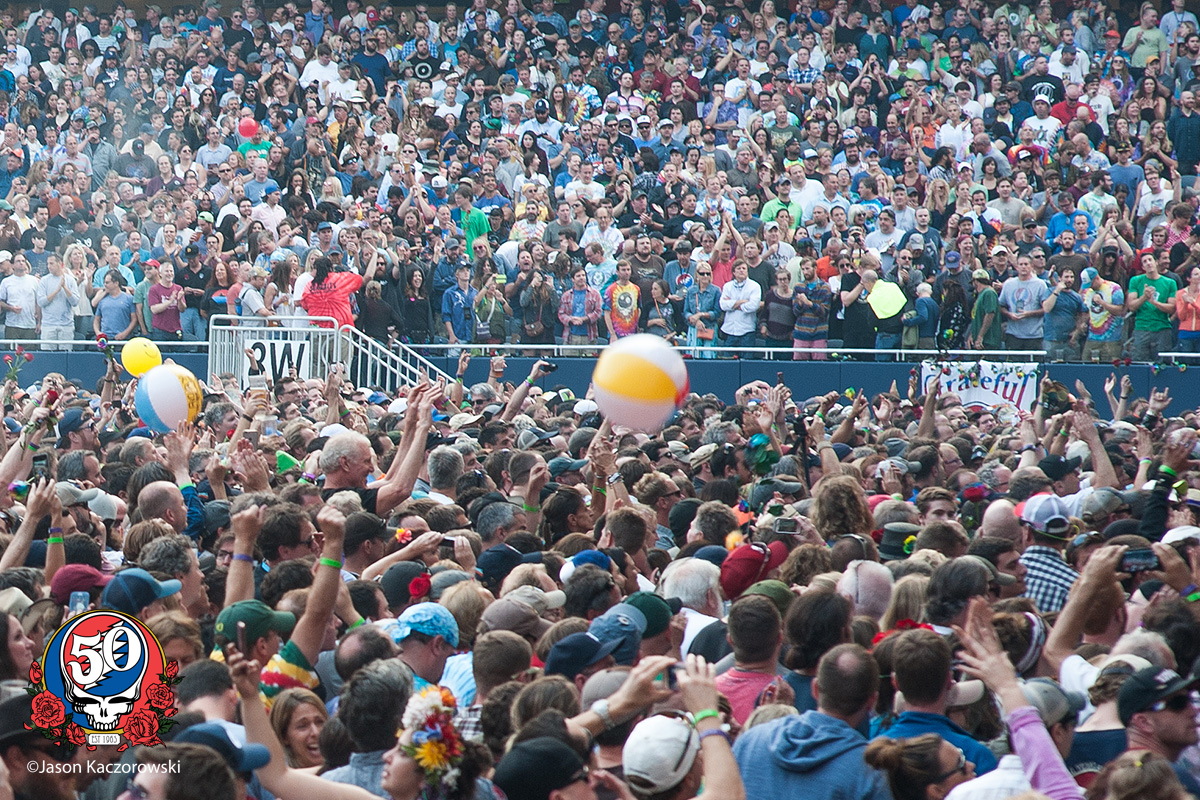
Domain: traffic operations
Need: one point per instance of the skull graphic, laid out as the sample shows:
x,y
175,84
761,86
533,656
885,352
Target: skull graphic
x,y
103,672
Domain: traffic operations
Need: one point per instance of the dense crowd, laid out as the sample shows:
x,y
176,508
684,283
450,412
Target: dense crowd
x,y
486,591
833,175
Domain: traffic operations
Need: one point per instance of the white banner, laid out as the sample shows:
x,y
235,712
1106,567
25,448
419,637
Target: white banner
x,y
277,357
985,384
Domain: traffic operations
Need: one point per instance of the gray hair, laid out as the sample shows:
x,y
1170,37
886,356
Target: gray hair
x,y
987,472
134,448
171,554
868,584
445,467
466,447
484,391
691,579
342,445
70,465
718,432
1150,645
494,517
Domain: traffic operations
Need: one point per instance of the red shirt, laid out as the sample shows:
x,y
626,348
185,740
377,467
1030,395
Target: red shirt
x,y
332,298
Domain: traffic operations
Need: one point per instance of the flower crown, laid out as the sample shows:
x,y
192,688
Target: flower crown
x,y
436,745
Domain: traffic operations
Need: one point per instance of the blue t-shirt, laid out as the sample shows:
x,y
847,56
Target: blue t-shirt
x,y
579,309
915,723
1062,319
115,313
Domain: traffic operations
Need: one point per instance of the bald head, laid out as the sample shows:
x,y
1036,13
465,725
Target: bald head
x,y
1000,520
163,500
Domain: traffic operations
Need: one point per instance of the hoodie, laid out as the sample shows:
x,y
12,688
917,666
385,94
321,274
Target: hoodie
x,y
810,755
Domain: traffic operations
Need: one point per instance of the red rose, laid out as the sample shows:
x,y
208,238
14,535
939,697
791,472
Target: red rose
x,y
141,727
8,359
29,356
35,674
419,586
172,668
48,710
76,735
51,397
160,696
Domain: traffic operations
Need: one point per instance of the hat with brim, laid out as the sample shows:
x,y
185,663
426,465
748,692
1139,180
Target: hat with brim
x,y
258,618
244,758
131,590
893,547
1148,686
575,653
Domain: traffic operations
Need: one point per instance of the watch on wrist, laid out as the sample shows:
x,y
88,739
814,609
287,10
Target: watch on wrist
x,y
600,709
614,479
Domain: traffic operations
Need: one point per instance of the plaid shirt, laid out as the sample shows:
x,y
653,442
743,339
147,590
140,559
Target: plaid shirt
x,y
1048,578
469,724
806,75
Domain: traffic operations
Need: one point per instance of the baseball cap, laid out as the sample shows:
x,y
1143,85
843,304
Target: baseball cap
x,y
244,758
496,562
541,600
438,182
624,624
430,619
996,576
1058,467
511,614
659,754
809,153
1046,513
977,275
998,249
15,714
541,105
1054,704
748,564
656,610
1147,686
75,578
642,120
72,420
396,580
71,495
575,653
775,591
766,488
257,616
561,464
532,769
131,590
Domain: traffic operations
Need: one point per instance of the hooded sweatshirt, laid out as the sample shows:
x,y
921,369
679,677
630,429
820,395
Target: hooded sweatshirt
x,y
810,755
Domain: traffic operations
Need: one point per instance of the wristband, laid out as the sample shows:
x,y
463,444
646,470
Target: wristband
x,y
529,381
344,414
1193,597
1027,448
715,732
311,478
55,530
458,379
898,496
600,709
1168,470
55,540
243,557
600,491
1189,589
360,621
707,713
330,562
531,509
1145,460
187,485
248,418
1064,434
33,448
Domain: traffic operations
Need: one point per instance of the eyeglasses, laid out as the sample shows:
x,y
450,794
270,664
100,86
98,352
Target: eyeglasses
x,y
1174,704
961,767
1086,538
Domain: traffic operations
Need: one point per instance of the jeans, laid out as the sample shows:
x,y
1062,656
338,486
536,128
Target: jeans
x,y
194,329
778,343
887,341
1148,344
1188,344
740,340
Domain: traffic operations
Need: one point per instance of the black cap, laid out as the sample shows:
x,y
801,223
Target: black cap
x,y
892,545
15,714
535,768
395,582
1058,467
1145,688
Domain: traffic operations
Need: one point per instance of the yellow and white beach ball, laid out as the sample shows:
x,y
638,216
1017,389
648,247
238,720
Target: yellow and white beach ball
x,y
639,382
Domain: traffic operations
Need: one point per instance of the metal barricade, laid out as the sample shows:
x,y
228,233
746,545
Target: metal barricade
x,y
297,344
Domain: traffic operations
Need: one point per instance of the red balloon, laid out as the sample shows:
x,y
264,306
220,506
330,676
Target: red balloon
x,y
247,127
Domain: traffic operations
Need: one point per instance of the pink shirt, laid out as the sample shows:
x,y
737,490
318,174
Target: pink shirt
x,y
743,689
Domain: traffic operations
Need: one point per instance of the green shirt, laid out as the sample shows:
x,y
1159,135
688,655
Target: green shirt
x,y
771,210
262,147
986,302
141,296
1147,317
475,225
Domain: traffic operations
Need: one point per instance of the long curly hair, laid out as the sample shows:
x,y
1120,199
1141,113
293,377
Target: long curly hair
x,y
840,507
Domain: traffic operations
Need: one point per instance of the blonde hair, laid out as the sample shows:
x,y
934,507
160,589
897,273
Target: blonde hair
x,y
908,600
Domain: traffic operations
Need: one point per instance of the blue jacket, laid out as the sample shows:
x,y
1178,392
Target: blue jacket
x,y
810,755
926,320
195,512
915,723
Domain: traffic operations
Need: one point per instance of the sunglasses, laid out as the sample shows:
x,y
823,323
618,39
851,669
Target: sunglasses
x,y
1174,704
961,767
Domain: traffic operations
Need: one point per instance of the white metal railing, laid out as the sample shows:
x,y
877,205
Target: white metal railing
x,y
372,363
298,344
831,353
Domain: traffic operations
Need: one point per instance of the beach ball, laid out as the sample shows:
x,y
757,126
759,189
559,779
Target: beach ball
x,y
639,382
247,127
140,355
168,396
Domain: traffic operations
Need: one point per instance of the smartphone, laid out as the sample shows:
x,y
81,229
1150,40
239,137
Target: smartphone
x,y
41,467
667,680
78,604
1140,560
786,525
241,638
448,541
252,437
551,367
779,379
